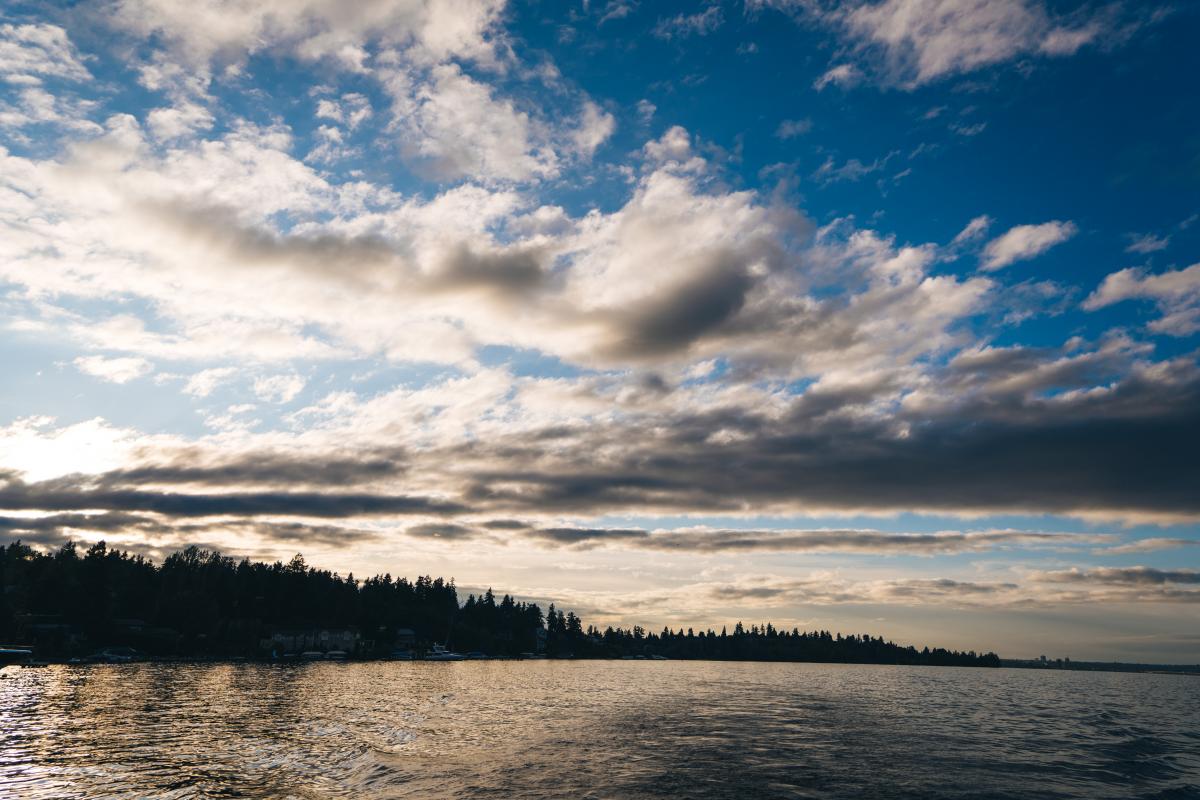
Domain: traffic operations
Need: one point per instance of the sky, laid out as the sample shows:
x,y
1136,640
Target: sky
x,y
875,316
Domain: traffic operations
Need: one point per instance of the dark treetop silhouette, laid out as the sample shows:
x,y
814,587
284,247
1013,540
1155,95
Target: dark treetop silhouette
x,y
199,603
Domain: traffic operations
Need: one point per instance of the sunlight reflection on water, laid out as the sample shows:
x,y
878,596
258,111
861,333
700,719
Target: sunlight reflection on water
x,y
594,729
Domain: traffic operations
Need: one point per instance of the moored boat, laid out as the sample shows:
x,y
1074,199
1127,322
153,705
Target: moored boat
x,y
15,655
440,653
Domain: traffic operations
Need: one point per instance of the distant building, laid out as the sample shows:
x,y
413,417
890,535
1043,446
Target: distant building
x,y
301,640
49,633
129,625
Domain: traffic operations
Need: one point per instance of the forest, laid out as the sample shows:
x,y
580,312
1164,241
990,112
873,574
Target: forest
x,y
201,604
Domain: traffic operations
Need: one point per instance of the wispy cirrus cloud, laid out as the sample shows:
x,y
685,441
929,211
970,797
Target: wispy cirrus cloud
x,y
920,41
1147,243
844,75
791,128
683,25
912,43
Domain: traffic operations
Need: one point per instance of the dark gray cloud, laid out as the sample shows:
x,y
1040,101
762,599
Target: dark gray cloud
x,y
111,521
295,532
76,492
505,525
912,591
441,530
730,593
1148,545
588,536
264,468
156,537
508,271
674,320
1120,576
1129,450
928,587
365,262
123,523
821,540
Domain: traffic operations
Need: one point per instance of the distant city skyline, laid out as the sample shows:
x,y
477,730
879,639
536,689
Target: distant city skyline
x,y
878,317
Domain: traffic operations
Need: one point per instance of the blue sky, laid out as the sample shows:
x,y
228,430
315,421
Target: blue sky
x,y
875,314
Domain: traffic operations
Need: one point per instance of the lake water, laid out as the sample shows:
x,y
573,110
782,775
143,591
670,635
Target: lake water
x,y
595,729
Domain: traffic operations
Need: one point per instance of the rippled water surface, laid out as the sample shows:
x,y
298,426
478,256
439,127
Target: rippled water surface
x,y
595,730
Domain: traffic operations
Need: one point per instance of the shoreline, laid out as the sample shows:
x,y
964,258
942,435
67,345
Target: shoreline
x,y
1190,670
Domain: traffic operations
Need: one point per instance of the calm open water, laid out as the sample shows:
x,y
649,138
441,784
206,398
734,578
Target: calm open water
x,y
595,729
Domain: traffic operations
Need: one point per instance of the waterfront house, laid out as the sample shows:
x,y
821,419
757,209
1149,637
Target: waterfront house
x,y
299,640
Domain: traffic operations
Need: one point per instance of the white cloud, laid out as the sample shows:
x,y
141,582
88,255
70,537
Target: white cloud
x,y
29,53
1177,294
791,128
351,109
193,230
963,129
330,146
615,9
646,110
674,145
852,170
921,41
34,105
844,75
279,388
204,382
457,127
230,422
40,450
452,123
595,126
358,109
199,32
178,121
1147,243
1023,242
683,25
976,229
329,109
114,370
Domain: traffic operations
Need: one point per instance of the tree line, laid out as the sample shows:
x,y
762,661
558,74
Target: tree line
x,y
201,603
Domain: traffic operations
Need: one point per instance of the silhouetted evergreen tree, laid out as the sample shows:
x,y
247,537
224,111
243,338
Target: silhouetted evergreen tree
x,y
201,603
